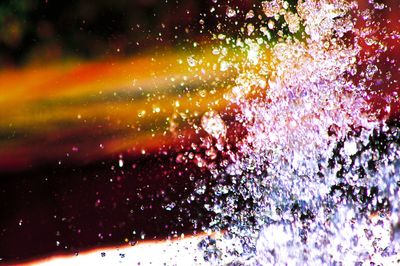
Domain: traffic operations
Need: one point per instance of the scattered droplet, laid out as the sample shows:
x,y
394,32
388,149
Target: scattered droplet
x,y
213,124
230,12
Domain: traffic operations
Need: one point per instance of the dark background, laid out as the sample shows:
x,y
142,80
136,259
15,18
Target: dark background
x,y
49,30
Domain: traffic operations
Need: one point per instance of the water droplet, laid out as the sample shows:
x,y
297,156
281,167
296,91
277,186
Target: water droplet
x,y
230,12
213,124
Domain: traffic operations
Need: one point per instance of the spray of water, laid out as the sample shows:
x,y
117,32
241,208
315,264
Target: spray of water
x,y
314,179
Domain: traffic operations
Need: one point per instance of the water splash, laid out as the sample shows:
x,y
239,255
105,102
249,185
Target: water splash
x,y
308,183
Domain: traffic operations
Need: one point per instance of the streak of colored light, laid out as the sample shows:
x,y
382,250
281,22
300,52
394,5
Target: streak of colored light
x,y
146,252
121,105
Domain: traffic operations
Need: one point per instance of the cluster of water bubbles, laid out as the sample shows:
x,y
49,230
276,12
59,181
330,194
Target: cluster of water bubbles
x,y
315,179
